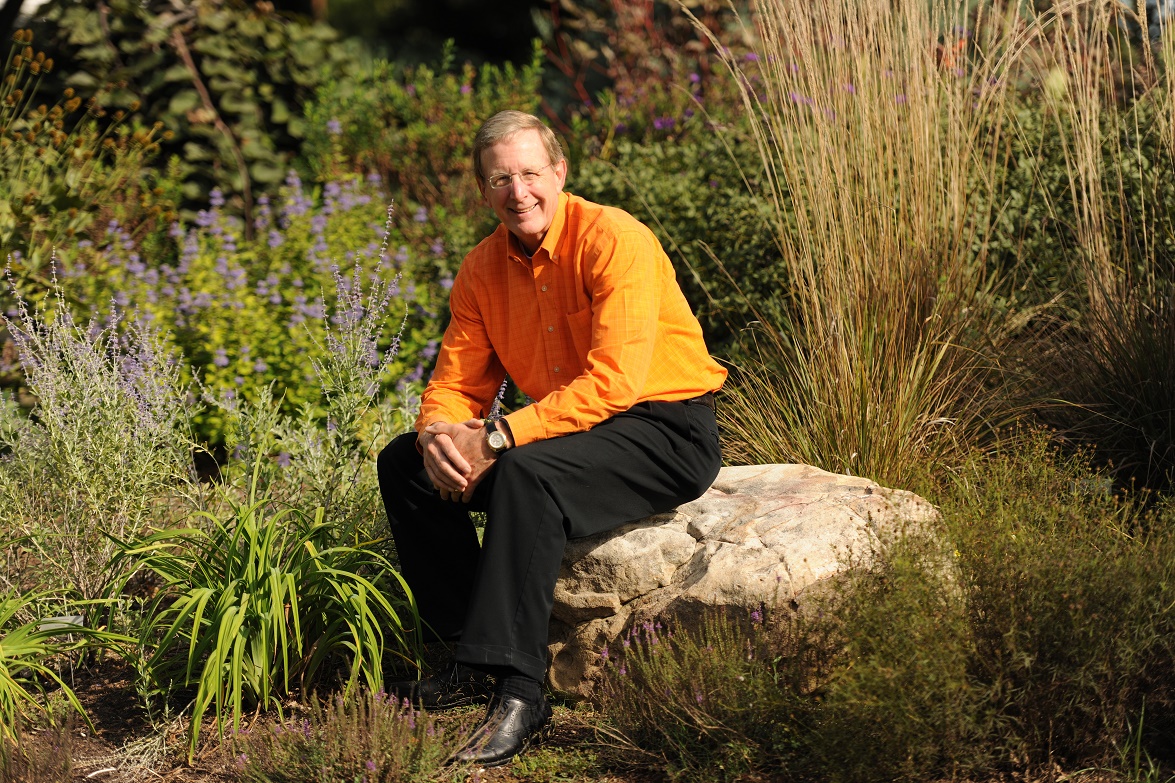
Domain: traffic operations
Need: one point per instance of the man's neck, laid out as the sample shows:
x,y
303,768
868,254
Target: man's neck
x,y
526,252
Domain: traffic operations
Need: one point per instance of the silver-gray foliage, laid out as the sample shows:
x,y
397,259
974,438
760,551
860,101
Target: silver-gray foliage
x,y
103,450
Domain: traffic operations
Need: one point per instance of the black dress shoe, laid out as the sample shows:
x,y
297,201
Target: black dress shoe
x,y
511,725
454,686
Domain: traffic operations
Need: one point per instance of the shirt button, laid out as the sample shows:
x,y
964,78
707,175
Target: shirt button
x,y
550,328
556,369
544,288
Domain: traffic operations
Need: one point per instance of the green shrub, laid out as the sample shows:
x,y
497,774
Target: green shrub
x,y
1071,600
902,703
280,580
414,127
228,78
733,700
244,314
640,70
61,167
693,195
367,737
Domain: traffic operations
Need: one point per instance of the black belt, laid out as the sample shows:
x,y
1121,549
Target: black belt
x,y
706,399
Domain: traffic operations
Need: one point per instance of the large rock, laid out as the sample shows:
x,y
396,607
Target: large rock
x,y
762,534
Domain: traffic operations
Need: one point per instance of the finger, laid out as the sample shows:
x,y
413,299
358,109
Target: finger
x,y
453,457
440,473
435,479
452,479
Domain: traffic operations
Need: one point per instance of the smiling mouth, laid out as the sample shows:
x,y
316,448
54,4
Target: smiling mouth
x,y
525,211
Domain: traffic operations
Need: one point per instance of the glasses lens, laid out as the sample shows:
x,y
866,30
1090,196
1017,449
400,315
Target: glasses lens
x,y
528,178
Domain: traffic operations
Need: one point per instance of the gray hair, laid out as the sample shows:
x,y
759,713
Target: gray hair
x,y
505,124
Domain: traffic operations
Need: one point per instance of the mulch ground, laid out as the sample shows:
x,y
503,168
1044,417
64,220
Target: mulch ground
x,y
123,747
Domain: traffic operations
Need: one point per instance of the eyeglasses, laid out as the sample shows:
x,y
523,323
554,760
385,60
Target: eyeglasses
x,y
499,181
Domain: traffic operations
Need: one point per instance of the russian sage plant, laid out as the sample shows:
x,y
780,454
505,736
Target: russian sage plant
x,y
324,456
283,577
105,447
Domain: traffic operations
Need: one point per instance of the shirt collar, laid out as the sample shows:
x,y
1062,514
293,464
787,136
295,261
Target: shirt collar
x,y
555,232
550,242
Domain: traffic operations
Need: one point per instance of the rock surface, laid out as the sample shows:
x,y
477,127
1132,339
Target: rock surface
x,y
762,534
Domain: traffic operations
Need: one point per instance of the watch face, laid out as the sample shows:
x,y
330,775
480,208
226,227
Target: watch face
x,y
497,441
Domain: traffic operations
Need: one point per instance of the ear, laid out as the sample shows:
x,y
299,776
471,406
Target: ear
x,y
481,186
561,172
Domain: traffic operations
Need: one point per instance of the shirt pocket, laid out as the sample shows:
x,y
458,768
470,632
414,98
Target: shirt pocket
x,y
580,326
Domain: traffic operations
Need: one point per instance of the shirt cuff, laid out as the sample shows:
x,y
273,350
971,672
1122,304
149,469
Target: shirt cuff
x,y
525,425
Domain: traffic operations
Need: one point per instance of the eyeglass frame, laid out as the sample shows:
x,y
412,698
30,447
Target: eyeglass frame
x,y
489,181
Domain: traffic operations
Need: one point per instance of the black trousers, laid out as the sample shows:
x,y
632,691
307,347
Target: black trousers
x,y
495,599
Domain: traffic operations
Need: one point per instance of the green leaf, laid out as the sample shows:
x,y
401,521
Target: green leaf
x,y
266,172
279,111
197,152
183,102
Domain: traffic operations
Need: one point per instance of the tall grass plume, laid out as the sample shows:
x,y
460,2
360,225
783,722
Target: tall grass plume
x,y
877,126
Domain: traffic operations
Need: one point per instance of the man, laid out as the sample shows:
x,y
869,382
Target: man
x,y
579,305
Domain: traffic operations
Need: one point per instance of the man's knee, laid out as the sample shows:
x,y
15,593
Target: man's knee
x,y
399,460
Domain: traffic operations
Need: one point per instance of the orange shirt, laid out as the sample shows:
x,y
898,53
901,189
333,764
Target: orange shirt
x,y
591,325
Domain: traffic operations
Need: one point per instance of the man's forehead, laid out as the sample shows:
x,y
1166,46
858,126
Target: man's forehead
x,y
516,142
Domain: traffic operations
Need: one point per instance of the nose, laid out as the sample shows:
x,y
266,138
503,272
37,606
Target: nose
x,y
517,187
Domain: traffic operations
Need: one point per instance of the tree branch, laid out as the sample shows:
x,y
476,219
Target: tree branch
x,y
181,48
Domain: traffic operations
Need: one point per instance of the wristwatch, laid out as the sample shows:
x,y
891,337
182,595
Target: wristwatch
x,y
495,438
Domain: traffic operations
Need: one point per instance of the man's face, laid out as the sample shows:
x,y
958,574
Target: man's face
x,y
526,210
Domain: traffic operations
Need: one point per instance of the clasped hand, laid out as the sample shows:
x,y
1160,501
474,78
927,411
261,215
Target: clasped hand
x,y
456,457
